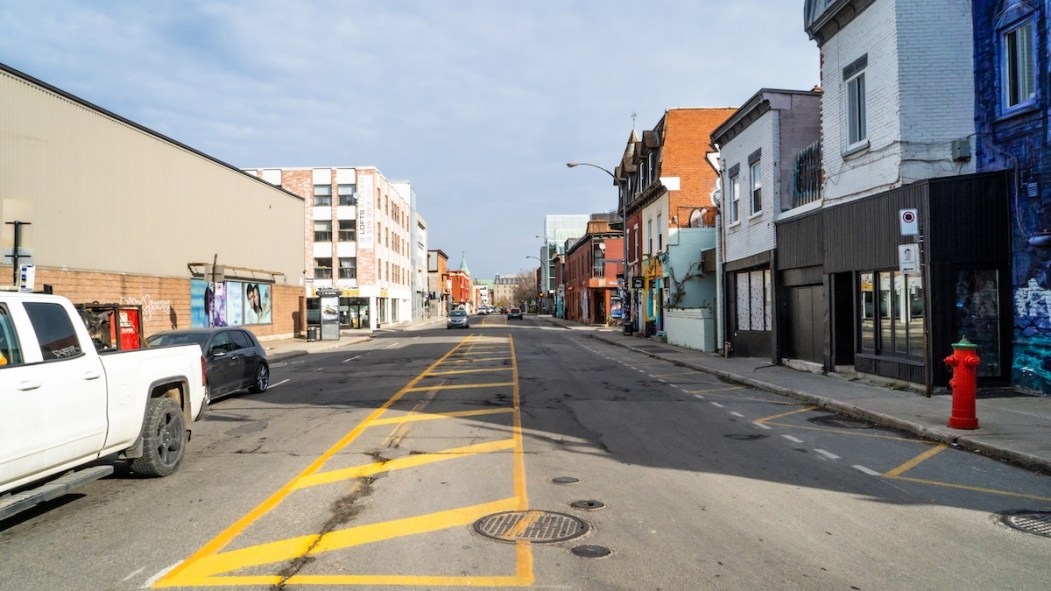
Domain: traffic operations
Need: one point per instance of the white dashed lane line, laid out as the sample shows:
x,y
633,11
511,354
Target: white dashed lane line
x,y
866,470
793,439
827,454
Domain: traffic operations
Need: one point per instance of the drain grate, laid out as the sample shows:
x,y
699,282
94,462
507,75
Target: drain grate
x,y
530,526
840,422
1032,522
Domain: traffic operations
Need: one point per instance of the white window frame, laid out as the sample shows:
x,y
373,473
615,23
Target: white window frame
x,y
1018,63
756,174
734,187
857,123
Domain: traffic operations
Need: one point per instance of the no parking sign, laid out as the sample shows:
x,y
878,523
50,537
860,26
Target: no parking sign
x,y
910,222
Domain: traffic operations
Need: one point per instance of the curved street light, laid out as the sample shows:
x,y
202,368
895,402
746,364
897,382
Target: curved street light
x,y
575,164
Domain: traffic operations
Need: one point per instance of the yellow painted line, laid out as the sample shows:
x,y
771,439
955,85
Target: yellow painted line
x,y
460,386
980,489
229,534
909,465
402,463
850,432
441,416
347,580
516,434
479,359
291,548
463,371
785,414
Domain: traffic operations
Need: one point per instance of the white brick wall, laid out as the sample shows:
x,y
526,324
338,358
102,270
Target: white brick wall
x,y
919,95
752,235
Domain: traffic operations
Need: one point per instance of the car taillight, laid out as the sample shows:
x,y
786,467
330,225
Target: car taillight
x,y
204,374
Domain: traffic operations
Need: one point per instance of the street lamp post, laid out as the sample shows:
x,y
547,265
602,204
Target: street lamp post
x,y
622,210
537,287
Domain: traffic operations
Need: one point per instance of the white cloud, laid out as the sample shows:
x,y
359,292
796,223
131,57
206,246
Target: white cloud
x,y
478,103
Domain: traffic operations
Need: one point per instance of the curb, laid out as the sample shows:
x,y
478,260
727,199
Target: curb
x,y
961,441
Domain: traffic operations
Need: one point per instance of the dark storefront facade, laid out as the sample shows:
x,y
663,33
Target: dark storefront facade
x,y
843,300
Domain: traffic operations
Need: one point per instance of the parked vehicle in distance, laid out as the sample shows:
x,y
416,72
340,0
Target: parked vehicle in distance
x,y
458,319
514,313
65,405
234,359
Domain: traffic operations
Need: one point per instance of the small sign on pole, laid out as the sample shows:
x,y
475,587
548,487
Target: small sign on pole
x,y
910,222
908,258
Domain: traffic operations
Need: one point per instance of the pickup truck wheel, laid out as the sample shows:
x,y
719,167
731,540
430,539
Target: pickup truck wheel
x,y
163,439
262,380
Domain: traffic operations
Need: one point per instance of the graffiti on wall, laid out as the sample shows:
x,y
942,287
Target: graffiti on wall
x,y
150,306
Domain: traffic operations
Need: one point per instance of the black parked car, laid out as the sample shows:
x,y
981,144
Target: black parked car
x,y
234,359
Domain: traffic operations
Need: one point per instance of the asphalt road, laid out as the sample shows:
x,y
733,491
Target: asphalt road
x,y
523,455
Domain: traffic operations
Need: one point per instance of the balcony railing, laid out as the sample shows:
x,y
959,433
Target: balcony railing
x,y
806,178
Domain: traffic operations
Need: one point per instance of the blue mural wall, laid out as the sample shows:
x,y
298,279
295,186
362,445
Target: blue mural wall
x,y
1011,119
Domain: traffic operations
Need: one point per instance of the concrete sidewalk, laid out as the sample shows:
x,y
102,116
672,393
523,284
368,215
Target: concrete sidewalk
x,y
1015,428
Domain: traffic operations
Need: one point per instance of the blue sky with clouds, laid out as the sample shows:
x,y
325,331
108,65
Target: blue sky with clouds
x,y
480,103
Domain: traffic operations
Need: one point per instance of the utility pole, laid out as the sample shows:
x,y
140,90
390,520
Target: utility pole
x,y
18,245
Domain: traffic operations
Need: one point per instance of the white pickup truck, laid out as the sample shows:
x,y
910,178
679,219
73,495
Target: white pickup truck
x,y
63,406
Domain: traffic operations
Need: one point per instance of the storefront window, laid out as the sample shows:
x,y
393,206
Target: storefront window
x,y
891,314
754,300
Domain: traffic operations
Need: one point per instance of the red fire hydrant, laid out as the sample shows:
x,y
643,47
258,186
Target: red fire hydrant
x,y
964,383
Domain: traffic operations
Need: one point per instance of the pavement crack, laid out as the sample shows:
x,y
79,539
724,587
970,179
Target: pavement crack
x,y
342,510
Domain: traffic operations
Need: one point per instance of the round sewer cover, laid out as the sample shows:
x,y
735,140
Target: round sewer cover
x,y
530,526
590,551
1032,522
589,504
565,480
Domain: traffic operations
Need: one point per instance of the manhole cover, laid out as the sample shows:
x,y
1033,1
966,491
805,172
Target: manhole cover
x,y
589,504
838,422
565,480
530,526
746,437
590,551
1032,522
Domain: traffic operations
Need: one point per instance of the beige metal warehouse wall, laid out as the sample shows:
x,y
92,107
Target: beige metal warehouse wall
x,y
105,195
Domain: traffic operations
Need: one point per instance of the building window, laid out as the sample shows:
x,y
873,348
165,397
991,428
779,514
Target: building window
x,y
348,268
891,314
322,230
649,237
660,233
857,126
347,231
753,300
1018,72
757,188
322,196
734,187
347,195
323,268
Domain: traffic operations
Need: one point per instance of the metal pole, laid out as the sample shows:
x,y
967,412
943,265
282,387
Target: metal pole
x,y
18,245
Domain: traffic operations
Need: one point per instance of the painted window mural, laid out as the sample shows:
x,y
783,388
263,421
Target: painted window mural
x,y
230,303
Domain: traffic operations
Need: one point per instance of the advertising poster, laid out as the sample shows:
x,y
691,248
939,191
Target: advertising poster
x,y
256,303
234,302
198,316
218,303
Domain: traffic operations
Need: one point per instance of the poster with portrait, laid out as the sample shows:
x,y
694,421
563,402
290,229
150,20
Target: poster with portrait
x,y
218,303
257,303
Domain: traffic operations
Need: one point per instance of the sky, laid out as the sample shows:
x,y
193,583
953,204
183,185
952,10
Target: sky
x,y
478,103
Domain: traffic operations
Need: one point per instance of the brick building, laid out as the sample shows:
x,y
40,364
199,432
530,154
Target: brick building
x,y
357,239
592,264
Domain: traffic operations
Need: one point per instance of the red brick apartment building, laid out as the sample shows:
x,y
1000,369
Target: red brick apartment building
x,y
590,272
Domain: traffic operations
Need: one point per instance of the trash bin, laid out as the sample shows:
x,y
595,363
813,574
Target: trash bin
x,y
313,333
